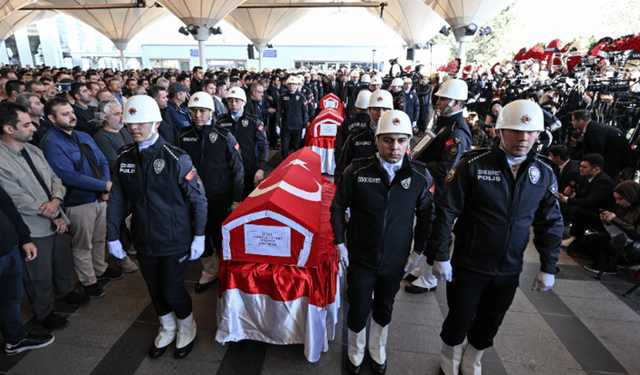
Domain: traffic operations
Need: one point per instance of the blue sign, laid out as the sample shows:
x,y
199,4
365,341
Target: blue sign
x,y
194,53
270,53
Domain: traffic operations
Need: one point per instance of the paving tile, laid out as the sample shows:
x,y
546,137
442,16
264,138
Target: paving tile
x,y
408,363
429,297
417,313
115,307
414,338
539,369
534,351
574,272
527,324
290,359
624,333
92,331
131,285
167,365
582,289
611,310
521,303
206,348
59,358
628,357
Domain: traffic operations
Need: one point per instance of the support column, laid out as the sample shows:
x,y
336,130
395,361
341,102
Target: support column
x,y
24,51
260,48
462,55
4,57
121,45
202,36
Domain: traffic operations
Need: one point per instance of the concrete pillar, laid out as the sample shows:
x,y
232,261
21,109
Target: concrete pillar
x,y
4,58
50,42
121,45
260,47
202,36
24,51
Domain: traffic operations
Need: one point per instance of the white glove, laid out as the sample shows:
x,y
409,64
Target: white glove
x,y
234,205
412,262
543,282
197,247
115,248
443,271
304,131
344,255
278,130
258,177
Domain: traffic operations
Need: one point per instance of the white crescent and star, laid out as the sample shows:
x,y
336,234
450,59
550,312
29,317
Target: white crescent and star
x,y
313,196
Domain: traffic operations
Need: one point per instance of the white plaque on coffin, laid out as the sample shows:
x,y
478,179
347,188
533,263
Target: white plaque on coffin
x,y
267,240
328,130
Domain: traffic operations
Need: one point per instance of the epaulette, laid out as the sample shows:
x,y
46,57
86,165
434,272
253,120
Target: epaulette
x,y
126,148
546,161
173,150
252,116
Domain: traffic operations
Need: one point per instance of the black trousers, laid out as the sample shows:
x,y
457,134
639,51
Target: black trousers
x,y
213,232
477,306
165,281
291,139
582,218
361,282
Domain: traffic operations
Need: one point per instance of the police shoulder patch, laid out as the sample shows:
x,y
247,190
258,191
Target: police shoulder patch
x,y
554,188
450,175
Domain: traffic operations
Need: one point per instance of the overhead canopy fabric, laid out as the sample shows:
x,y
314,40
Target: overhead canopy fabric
x,y
9,6
22,18
262,25
119,25
461,13
411,19
200,12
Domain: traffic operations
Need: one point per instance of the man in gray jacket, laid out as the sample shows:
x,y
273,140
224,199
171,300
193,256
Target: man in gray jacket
x,y
38,193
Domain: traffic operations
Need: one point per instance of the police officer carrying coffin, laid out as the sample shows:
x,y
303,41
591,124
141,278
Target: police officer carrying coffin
x,y
495,195
169,214
293,114
384,193
354,124
452,139
362,144
249,133
216,155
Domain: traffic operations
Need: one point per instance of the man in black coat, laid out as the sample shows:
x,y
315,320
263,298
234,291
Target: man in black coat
x,y
607,141
582,204
568,171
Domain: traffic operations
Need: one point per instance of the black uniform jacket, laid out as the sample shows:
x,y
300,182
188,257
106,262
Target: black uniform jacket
x,y
166,197
216,155
249,133
494,214
379,232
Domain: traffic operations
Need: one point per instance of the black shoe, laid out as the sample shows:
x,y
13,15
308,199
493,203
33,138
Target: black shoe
x,y
110,274
94,290
378,369
54,321
202,287
76,299
418,289
31,342
183,352
410,278
353,369
155,352
595,270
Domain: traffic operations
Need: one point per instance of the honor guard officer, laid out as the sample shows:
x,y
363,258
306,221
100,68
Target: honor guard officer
x,y
249,133
355,124
169,215
407,101
384,192
362,144
375,84
452,139
494,196
348,92
396,87
216,155
294,116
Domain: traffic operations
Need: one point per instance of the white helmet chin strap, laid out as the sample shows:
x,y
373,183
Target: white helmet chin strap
x,y
152,132
448,107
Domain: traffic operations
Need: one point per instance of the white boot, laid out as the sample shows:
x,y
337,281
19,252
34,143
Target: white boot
x,y
378,347
450,357
470,364
166,335
357,343
187,329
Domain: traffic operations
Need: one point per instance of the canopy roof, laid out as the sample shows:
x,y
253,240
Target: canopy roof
x,y
411,19
119,25
21,18
200,12
461,13
262,25
9,6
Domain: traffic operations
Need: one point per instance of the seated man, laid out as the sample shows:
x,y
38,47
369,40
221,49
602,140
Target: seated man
x,y
582,204
568,172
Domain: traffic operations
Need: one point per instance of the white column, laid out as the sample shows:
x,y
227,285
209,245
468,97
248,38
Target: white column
x,y
260,48
4,58
202,36
121,45
50,42
24,51
203,59
462,55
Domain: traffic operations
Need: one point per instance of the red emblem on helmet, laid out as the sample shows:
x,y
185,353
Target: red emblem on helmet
x,y
526,119
379,98
196,99
395,121
132,111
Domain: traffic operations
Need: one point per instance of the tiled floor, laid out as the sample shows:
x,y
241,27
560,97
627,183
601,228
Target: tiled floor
x,y
582,326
